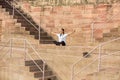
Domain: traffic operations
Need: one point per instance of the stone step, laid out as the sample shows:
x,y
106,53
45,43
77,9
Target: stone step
x,y
43,37
35,31
74,52
26,24
10,10
36,69
18,16
22,20
114,30
6,13
111,38
46,41
41,33
11,16
18,24
52,77
40,74
5,6
30,28
68,47
112,34
31,63
108,39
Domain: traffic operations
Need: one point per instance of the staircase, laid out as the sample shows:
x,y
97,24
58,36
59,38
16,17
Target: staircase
x,y
37,73
27,22
114,33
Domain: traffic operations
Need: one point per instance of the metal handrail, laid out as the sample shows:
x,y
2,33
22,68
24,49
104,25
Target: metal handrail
x,y
23,16
43,71
30,46
27,42
86,55
34,62
94,61
29,57
99,46
95,49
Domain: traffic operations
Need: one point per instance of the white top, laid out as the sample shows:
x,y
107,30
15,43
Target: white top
x,y
62,37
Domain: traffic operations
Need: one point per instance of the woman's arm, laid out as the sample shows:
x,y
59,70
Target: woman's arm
x,y
53,33
71,32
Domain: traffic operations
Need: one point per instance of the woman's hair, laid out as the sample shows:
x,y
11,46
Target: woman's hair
x,y
62,30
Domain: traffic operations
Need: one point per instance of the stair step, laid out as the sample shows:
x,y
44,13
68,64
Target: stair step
x,y
43,37
107,35
22,20
9,9
112,34
31,63
6,6
18,16
52,77
26,24
41,33
30,28
40,74
46,41
100,39
36,69
114,30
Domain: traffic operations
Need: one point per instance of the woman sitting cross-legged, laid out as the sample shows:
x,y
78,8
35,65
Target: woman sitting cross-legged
x,y
61,37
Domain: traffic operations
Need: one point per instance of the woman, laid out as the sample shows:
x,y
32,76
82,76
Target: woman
x,y
61,37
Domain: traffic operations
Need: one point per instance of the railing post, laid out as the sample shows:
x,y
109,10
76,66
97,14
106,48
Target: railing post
x,y
92,32
99,58
25,48
13,9
39,33
58,2
10,48
43,71
72,73
42,2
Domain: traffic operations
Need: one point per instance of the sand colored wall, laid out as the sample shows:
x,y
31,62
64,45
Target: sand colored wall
x,y
79,18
